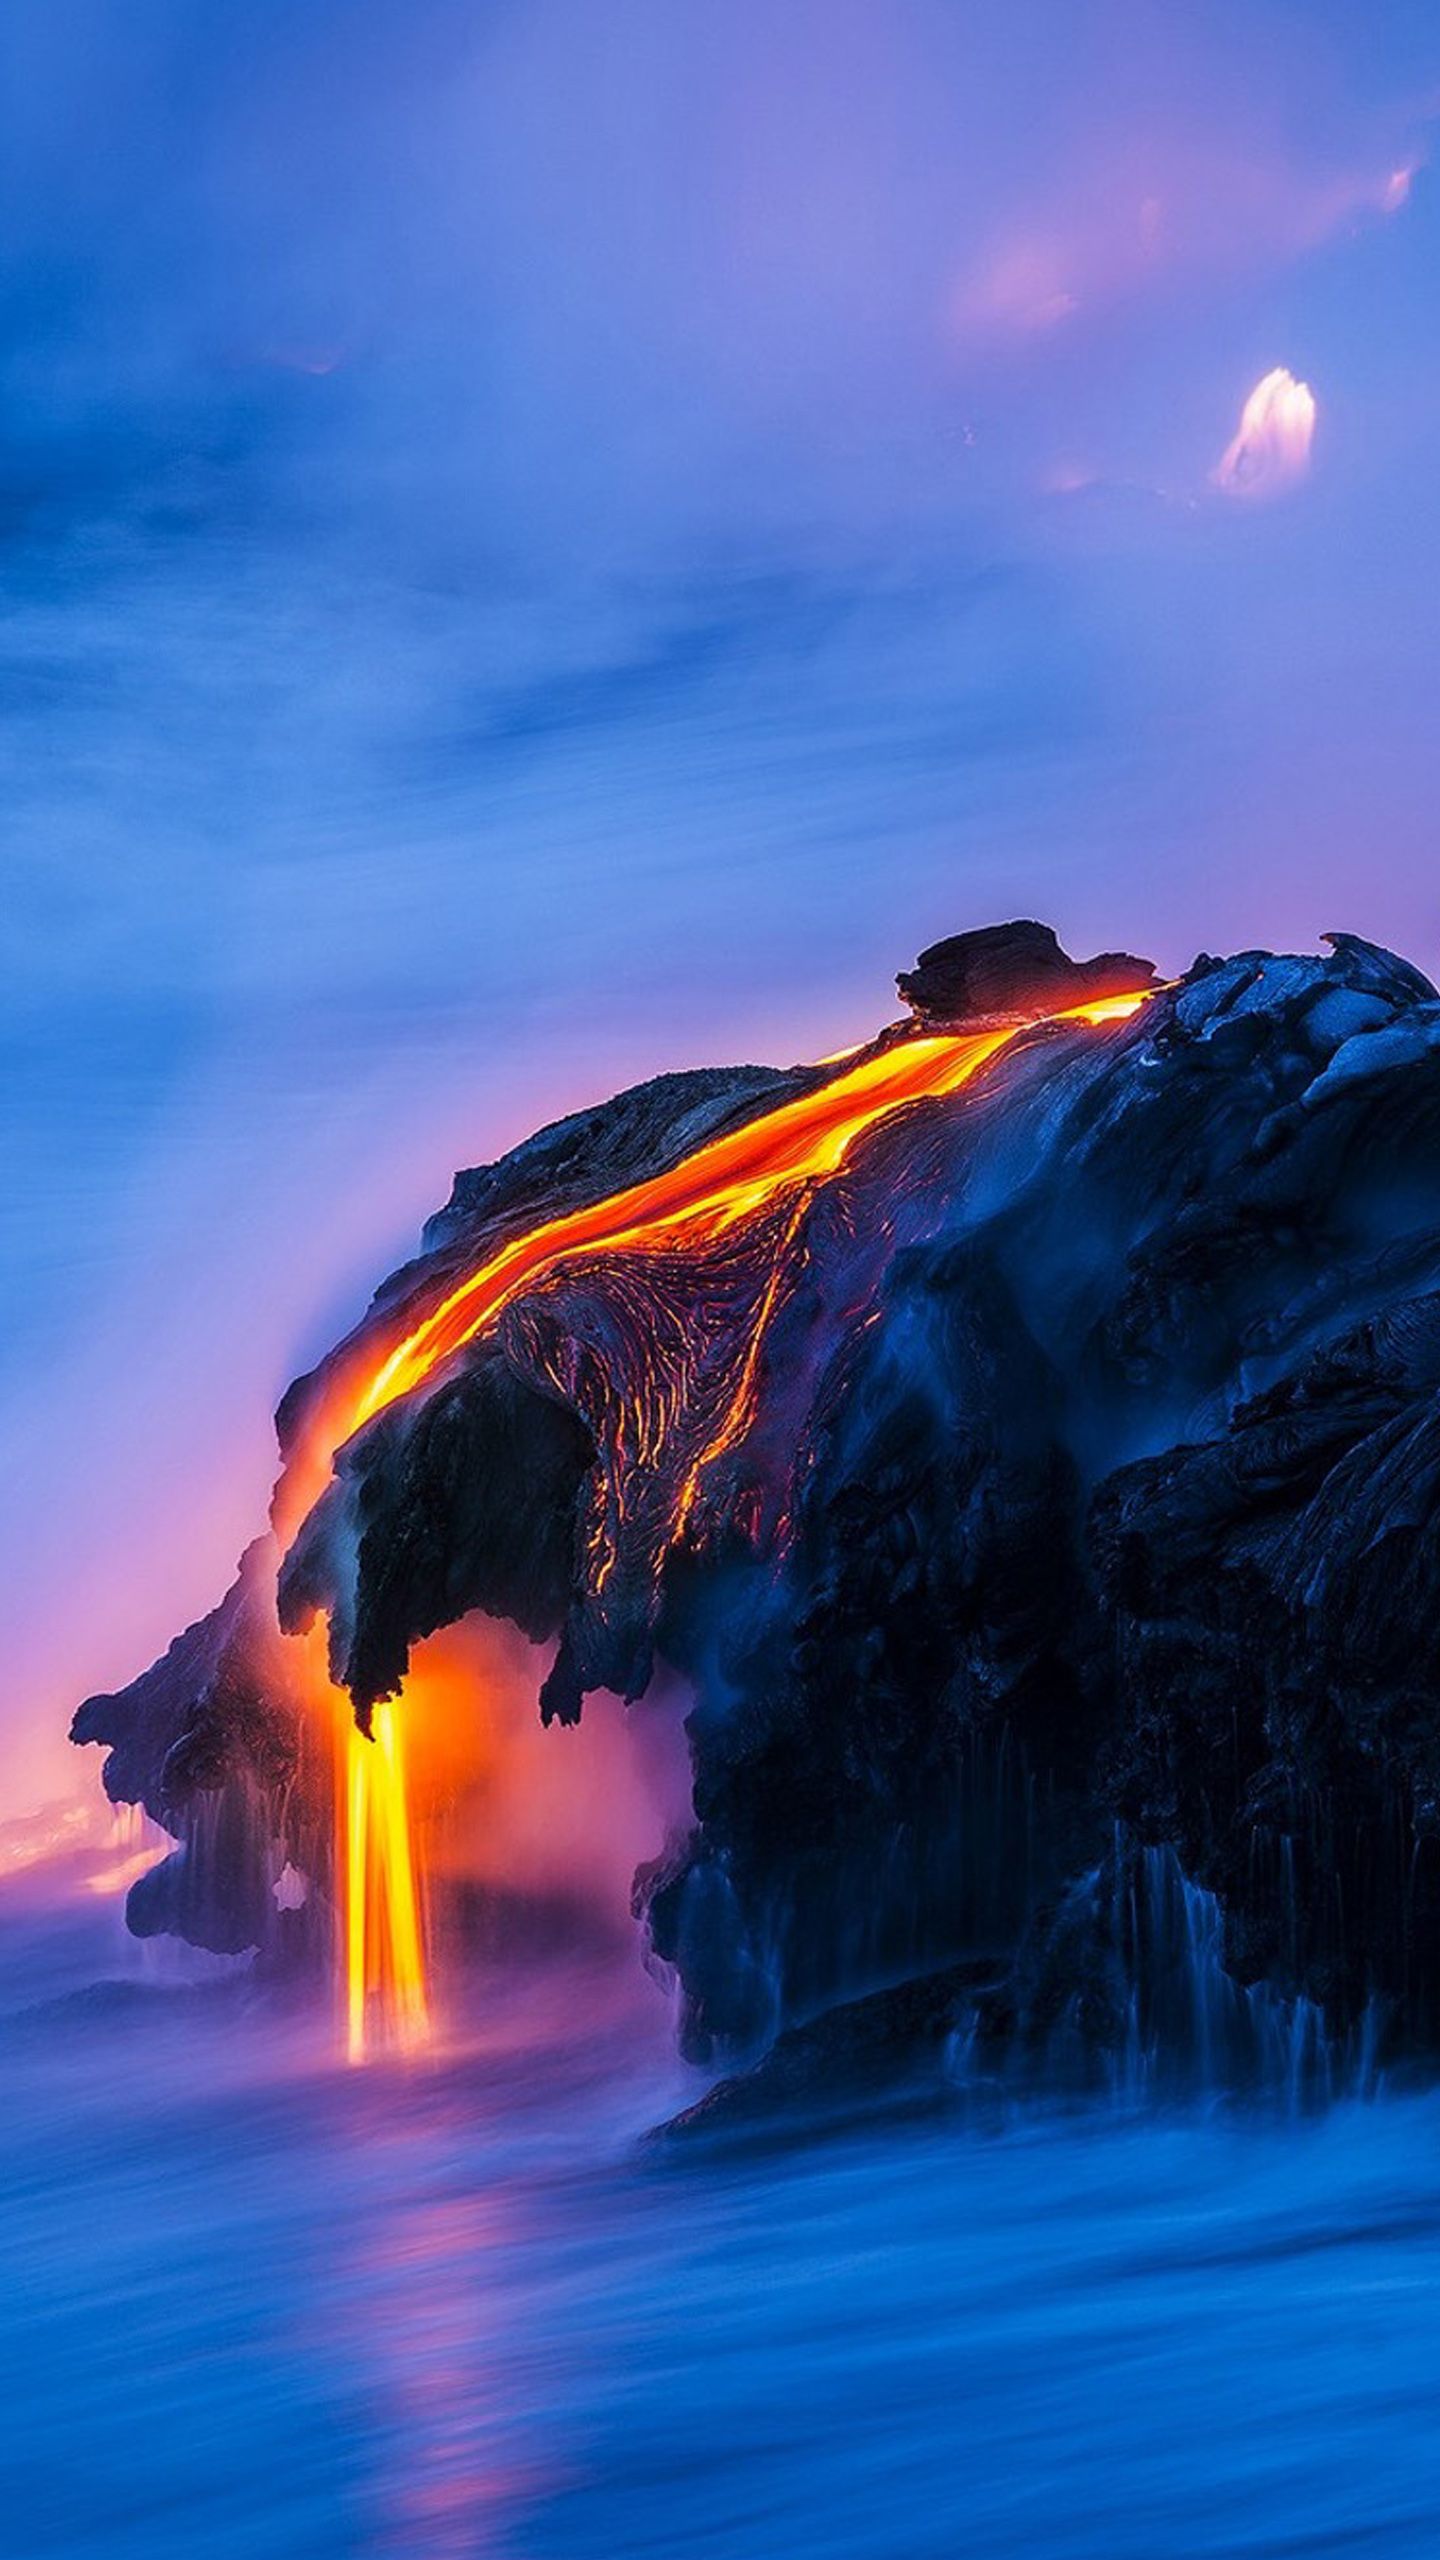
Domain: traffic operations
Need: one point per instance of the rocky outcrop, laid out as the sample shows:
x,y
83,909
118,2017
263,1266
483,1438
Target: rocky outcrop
x,y
1011,969
215,1743
1043,1509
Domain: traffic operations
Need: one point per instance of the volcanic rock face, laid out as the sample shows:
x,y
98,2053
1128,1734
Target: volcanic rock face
x,y
1007,969
1044,1508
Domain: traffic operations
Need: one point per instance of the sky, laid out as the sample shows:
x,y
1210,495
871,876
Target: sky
x,y
546,542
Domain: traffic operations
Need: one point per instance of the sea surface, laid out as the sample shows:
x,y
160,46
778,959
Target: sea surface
x,y
255,2304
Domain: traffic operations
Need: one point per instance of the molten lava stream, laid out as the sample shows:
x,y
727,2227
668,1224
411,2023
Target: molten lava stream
x,y
384,1956
799,1143
381,1938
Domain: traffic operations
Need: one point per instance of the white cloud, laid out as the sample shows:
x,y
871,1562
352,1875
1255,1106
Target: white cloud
x,y
1270,449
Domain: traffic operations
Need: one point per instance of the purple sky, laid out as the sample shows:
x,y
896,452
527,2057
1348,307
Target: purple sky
x,y
548,541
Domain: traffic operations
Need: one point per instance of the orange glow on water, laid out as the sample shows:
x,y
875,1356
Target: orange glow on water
x,y
780,1153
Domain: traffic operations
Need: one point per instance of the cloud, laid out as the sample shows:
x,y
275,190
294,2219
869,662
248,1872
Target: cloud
x,y
1130,213
1270,449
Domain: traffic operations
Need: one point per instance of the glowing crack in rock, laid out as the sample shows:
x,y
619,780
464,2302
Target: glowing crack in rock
x,y
1270,450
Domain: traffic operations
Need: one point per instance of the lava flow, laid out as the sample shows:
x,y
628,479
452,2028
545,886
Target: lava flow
x,y
798,1144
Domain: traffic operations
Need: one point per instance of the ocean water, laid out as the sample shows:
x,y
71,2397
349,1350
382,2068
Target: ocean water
x,y
254,2303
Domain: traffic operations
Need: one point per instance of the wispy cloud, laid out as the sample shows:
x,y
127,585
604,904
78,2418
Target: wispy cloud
x,y
1139,212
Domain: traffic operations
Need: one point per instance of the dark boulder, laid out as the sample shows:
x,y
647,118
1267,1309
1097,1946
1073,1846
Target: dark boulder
x,y
1011,969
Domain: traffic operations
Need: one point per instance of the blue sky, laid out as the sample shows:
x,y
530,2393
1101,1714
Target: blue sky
x,y
542,542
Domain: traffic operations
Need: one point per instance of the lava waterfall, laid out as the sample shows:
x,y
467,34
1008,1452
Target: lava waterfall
x,y
1019,1438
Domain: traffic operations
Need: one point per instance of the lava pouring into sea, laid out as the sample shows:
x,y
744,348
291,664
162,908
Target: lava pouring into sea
x,y
725,1181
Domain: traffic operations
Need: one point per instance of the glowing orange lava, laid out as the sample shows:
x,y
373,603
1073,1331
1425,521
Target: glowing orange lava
x,y
384,1957
787,1150
721,1183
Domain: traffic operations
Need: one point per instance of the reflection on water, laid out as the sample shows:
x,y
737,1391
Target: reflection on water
x,y
253,2304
